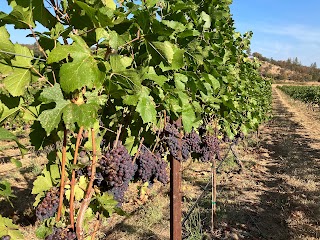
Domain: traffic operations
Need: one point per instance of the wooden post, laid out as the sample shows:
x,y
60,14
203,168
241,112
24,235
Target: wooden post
x,y
214,193
175,198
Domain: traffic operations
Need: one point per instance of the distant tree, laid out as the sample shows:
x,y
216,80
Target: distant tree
x,y
313,65
257,55
296,61
289,61
249,51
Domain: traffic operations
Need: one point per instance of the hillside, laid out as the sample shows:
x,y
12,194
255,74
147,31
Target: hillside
x,y
290,69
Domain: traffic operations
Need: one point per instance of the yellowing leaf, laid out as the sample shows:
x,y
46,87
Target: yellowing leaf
x,y
110,4
42,183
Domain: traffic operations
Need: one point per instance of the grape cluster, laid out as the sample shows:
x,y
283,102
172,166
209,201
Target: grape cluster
x,y
151,167
172,139
5,237
62,234
194,142
86,171
116,169
49,205
210,147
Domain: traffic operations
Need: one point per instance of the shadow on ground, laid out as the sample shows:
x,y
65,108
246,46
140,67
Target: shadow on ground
x,y
278,202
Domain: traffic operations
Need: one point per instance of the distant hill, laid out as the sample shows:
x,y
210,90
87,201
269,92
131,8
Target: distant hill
x,y
290,69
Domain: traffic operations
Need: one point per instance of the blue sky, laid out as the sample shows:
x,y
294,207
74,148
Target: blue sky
x,y
282,29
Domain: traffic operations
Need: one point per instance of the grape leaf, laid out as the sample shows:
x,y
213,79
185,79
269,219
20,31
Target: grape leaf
x,y
215,84
207,19
7,135
165,49
188,117
42,183
6,44
85,114
21,75
20,16
110,4
5,189
107,202
178,26
42,231
79,189
17,81
119,63
50,119
42,14
82,71
146,107
16,162
8,228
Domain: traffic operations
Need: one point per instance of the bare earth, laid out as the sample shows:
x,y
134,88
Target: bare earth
x,y
276,197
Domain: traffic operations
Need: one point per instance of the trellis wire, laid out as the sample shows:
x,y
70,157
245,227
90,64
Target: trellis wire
x,y
20,55
208,184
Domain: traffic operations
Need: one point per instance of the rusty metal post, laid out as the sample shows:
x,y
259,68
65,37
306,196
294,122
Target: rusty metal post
x,y
175,198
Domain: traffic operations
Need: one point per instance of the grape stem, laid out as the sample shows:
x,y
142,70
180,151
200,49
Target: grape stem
x,y
63,173
86,201
138,152
73,179
158,135
118,136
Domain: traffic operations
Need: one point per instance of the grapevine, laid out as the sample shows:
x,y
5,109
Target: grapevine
x,y
104,65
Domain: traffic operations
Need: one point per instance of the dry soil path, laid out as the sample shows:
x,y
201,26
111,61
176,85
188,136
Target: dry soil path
x,y
282,198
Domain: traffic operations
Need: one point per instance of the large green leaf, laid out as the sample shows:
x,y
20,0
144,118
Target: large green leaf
x,y
188,117
146,107
42,14
16,82
85,114
119,63
8,228
107,202
20,77
82,71
20,16
6,44
43,183
165,49
215,84
50,119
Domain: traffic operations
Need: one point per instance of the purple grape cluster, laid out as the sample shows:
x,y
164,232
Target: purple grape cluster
x,y
151,167
193,141
86,171
210,147
5,237
172,139
117,170
62,234
49,205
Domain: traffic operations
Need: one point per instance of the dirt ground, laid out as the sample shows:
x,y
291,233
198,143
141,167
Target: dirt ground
x,y
276,196
279,197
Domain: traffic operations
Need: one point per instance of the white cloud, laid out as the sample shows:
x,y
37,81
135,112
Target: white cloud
x,y
296,31
285,41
